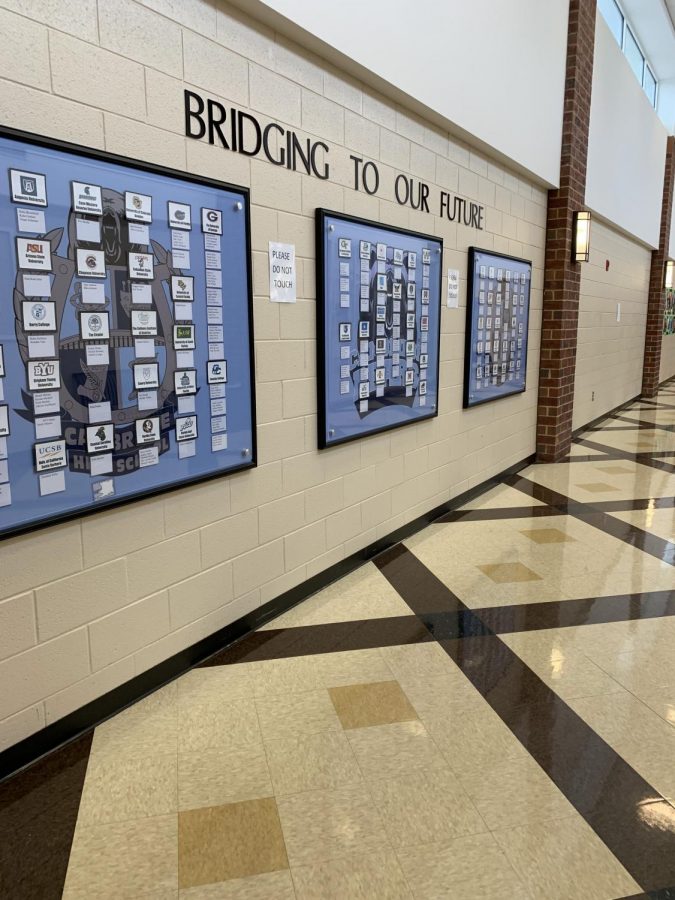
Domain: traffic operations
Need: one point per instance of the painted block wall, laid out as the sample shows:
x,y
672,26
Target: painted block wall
x,y
89,604
667,369
610,353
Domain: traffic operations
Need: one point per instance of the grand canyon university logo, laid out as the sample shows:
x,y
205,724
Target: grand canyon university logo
x,y
83,383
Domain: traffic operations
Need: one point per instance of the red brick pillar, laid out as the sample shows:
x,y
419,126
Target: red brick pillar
x,y
561,275
657,294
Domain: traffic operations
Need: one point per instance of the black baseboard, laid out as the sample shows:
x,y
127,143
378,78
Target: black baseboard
x,y
72,726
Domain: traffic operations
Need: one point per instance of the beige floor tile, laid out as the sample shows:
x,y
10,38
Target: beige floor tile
x,y
425,807
547,535
616,469
597,487
663,704
377,703
148,727
565,861
322,825
122,861
363,594
269,886
311,762
225,682
216,722
467,868
657,521
230,841
119,789
515,792
418,661
390,751
508,573
285,676
359,876
295,714
578,450
351,667
501,497
472,741
441,694
213,777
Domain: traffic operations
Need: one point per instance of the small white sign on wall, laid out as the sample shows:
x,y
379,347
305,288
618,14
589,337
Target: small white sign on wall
x,y
282,273
453,288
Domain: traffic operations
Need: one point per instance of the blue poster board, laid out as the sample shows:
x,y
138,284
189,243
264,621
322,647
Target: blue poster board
x,y
497,316
126,331
378,327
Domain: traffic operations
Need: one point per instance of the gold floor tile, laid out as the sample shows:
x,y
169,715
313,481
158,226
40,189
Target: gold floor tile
x,y
616,470
515,792
377,703
359,876
268,886
122,861
118,789
547,535
230,841
321,825
311,762
213,777
389,751
215,721
471,741
468,868
597,487
425,807
505,573
565,860
295,714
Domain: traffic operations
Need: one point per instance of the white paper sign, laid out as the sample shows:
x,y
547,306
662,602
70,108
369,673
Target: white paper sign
x,y
282,273
36,285
52,483
93,292
31,220
453,288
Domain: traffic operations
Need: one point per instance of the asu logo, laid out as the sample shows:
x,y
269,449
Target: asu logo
x,y
34,248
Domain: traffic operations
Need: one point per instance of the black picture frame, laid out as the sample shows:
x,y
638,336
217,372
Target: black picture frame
x,y
251,460
322,324
470,332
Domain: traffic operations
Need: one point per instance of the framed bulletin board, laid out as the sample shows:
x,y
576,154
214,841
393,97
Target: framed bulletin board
x,y
497,316
126,331
378,327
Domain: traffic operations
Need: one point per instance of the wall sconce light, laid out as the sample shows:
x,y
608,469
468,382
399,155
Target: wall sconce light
x,y
582,236
668,282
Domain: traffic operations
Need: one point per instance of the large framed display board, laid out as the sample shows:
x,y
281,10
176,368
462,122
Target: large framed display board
x,y
126,330
378,326
497,316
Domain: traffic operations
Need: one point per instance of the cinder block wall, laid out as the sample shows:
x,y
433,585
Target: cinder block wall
x,y
610,353
87,605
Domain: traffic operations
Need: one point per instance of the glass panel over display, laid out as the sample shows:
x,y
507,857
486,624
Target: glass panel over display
x,y
669,312
378,321
125,331
497,315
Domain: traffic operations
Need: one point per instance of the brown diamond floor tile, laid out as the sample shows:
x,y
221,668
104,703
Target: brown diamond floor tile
x,y
507,573
547,536
363,705
218,843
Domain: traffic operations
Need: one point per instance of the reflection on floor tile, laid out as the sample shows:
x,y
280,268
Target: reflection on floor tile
x,y
361,705
388,751
311,762
229,841
547,535
509,573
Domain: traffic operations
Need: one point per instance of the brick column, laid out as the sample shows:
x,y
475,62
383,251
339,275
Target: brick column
x,y
657,294
561,275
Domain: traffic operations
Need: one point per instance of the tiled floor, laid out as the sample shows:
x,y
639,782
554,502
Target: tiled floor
x,y
498,721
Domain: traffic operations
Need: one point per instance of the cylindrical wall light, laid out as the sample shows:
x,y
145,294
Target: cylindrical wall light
x,y
581,246
668,282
